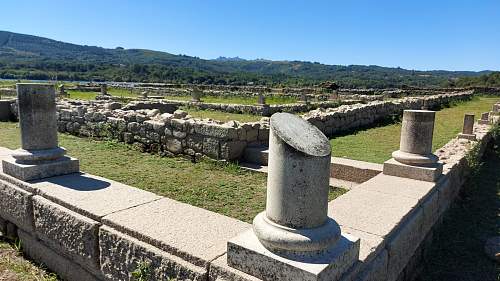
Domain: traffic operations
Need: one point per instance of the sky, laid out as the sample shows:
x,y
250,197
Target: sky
x,y
412,34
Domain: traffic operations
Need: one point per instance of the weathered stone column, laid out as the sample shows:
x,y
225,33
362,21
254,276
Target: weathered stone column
x,y
261,99
485,118
196,95
39,155
295,225
5,111
468,128
415,159
104,89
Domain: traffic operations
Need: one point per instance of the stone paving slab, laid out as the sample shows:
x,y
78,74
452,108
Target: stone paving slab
x,y
371,211
92,196
122,254
194,234
399,186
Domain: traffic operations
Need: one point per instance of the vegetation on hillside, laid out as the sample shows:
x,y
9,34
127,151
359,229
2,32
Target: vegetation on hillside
x,y
31,57
486,80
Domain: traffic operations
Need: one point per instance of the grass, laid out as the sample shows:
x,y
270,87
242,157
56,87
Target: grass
x,y
222,188
220,115
457,249
238,100
74,94
14,267
377,144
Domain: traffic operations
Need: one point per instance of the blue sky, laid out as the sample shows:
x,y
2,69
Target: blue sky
x,y
423,34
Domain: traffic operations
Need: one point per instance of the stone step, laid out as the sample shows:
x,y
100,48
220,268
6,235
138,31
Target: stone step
x,y
256,155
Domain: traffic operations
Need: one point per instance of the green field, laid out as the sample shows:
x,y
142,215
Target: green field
x,y
377,144
222,188
14,267
238,100
220,115
73,94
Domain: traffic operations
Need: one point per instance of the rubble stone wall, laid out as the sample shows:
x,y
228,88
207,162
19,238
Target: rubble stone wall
x,y
167,132
349,117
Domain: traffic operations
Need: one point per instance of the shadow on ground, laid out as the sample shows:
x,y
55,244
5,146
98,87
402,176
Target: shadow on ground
x,y
457,250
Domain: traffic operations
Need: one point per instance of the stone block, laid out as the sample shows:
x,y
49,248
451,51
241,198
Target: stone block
x,y
445,195
404,187
353,170
211,147
122,254
67,232
375,270
395,168
232,150
403,243
65,268
376,213
194,234
26,172
221,271
246,253
471,137
16,206
430,208
92,196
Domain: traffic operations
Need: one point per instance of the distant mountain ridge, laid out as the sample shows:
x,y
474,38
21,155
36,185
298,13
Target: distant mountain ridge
x,y
33,57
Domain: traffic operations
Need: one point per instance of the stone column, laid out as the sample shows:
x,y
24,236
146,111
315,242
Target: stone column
x,y
261,99
104,89
468,128
196,95
304,98
415,159
485,116
39,155
295,225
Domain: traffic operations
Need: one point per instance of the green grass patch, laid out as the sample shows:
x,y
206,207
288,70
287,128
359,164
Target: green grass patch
x,y
377,144
222,188
81,95
14,267
220,115
238,100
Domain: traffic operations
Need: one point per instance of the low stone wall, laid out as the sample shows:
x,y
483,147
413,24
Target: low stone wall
x,y
89,228
344,118
263,110
166,132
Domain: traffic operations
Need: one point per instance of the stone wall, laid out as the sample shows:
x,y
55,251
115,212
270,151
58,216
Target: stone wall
x,y
344,118
264,110
166,132
89,228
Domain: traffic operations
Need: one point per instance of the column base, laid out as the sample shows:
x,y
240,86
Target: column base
x,y
471,137
26,172
247,254
427,173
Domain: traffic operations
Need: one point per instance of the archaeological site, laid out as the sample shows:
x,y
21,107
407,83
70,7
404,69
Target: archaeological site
x,y
302,160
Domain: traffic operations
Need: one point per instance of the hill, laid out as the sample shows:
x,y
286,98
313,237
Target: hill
x,y
32,57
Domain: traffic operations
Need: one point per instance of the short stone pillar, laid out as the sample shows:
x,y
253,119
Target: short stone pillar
x,y
261,99
62,91
468,128
294,232
39,155
485,118
104,90
304,98
415,159
5,110
196,95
